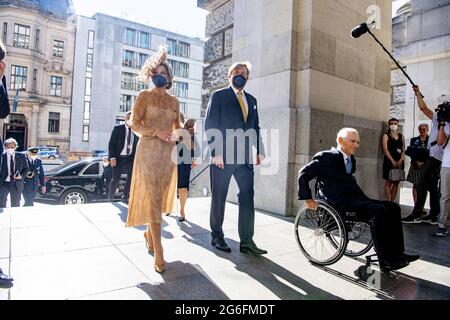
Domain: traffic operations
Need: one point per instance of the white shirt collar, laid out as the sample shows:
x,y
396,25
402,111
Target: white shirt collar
x,y
346,156
236,90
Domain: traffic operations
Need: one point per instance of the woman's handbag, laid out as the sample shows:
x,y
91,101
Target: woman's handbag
x,y
396,175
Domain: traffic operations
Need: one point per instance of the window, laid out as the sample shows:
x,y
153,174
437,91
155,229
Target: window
x,y
144,40
36,42
53,122
183,109
74,171
19,77
89,62
128,57
55,86
125,102
130,81
5,32
142,58
86,113
21,36
58,48
180,89
91,40
130,37
93,169
33,87
85,133
178,48
180,69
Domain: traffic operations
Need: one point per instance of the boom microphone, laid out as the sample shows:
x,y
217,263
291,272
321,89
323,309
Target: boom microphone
x,y
359,30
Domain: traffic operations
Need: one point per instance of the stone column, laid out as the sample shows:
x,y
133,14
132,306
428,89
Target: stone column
x,y
33,128
311,79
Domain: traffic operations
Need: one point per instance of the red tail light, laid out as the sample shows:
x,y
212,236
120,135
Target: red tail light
x,y
46,179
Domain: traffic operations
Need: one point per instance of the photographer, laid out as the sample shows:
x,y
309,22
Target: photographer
x,y
442,140
431,170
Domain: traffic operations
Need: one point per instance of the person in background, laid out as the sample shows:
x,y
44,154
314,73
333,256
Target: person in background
x,y
34,178
394,156
106,176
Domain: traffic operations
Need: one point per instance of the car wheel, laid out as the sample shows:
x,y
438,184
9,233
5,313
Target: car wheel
x,y
51,157
74,196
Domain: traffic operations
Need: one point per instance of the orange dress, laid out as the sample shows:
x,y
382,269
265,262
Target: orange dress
x,y
154,182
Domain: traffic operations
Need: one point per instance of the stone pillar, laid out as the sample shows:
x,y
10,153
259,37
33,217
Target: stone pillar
x,y
34,125
311,79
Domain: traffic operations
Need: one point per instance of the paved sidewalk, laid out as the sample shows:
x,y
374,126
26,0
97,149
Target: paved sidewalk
x,y
85,252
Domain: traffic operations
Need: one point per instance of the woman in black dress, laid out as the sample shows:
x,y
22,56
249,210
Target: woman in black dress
x,y
186,153
394,156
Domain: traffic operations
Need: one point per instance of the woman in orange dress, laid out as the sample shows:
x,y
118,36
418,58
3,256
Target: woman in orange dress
x,y
154,118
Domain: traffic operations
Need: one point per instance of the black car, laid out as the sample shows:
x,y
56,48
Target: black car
x,y
77,182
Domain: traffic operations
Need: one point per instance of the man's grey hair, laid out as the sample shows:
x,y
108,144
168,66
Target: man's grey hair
x,y
9,141
240,64
343,133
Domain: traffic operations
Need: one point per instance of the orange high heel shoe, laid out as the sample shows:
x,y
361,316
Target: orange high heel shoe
x,y
160,268
148,241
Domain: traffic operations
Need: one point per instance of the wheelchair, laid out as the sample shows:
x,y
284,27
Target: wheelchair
x,y
325,235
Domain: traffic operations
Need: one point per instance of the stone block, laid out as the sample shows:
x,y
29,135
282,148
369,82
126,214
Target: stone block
x,y
397,77
219,19
276,96
276,54
301,50
277,17
323,52
398,94
214,48
371,103
441,70
397,111
324,126
228,49
216,75
382,75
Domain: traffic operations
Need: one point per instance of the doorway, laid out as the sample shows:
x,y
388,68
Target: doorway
x,y
17,128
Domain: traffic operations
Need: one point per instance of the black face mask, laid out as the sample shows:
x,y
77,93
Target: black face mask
x,y
239,81
159,81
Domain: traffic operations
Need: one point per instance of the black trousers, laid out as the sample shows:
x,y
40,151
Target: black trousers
x,y
220,181
430,183
124,165
11,189
29,194
385,225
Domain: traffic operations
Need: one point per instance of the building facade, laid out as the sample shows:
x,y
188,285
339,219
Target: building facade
x,y
310,79
421,42
39,36
109,54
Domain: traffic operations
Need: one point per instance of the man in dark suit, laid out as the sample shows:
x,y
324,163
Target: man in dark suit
x,y
34,178
4,111
122,147
232,123
333,170
13,169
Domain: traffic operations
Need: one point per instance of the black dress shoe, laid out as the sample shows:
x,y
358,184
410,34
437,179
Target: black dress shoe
x,y
411,257
251,248
181,219
393,265
221,245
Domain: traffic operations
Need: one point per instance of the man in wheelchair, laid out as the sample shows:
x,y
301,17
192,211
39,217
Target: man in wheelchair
x,y
333,170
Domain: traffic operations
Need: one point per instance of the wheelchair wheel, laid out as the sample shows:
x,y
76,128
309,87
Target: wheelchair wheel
x,y
359,239
320,234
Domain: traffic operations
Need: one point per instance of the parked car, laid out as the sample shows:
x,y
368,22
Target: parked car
x,y
99,153
48,152
77,182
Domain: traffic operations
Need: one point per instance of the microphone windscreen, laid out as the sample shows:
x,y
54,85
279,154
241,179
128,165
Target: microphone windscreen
x,y
359,30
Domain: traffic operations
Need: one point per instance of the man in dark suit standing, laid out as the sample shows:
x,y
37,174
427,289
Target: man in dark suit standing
x,y
232,120
122,147
34,178
333,170
13,169
4,111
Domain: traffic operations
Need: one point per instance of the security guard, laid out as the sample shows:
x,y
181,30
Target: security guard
x,y
34,178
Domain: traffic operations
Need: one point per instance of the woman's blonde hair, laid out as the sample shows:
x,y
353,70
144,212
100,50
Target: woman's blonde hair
x,y
150,65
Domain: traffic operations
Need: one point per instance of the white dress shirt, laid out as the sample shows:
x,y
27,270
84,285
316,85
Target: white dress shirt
x,y
8,161
124,150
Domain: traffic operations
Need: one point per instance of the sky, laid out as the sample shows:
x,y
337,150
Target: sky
x,y
180,16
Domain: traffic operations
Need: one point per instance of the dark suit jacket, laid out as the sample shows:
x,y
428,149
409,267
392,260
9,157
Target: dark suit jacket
x,y
336,185
117,142
4,105
38,178
224,112
20,164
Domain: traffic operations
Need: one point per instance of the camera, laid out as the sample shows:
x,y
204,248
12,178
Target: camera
x,y
443,112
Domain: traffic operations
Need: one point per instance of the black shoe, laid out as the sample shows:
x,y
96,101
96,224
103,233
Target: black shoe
x,y
181,219
5,278
411,257
411,219
430,219
220,244
393,265
251,248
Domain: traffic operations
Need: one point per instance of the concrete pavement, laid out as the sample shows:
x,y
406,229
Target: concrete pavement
x,y
85,252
